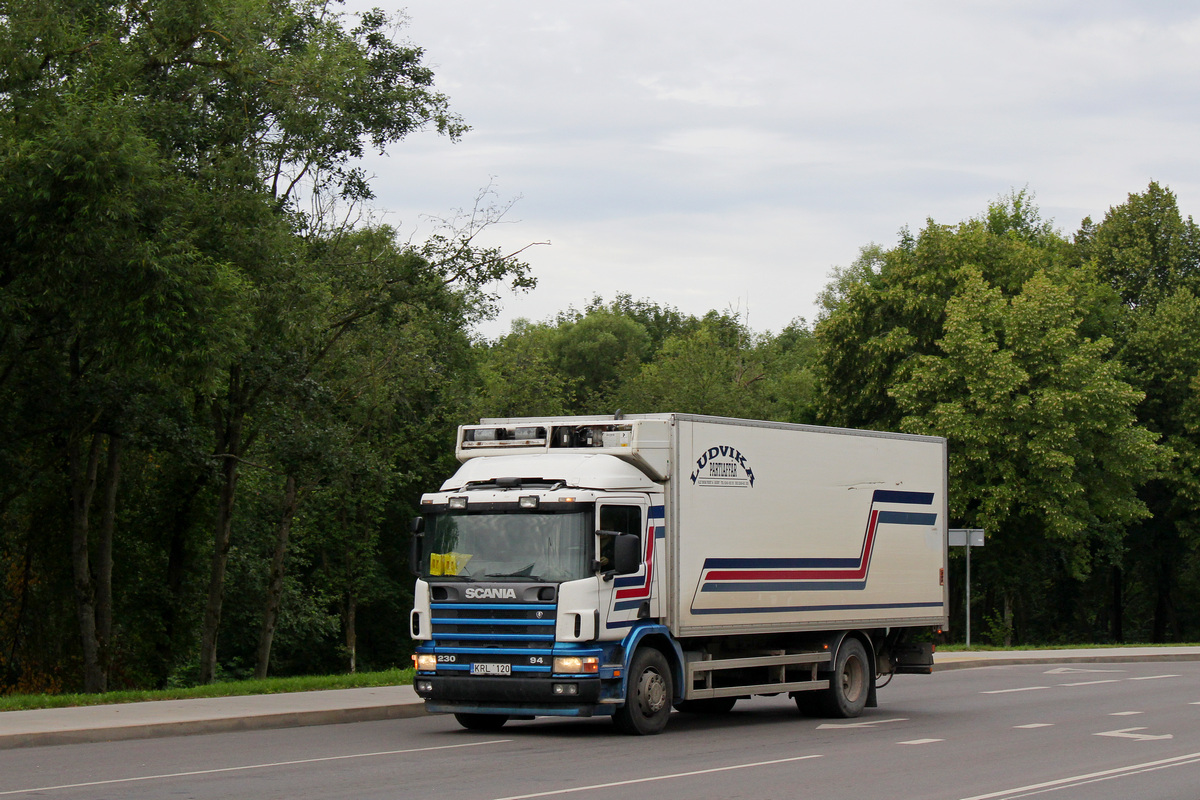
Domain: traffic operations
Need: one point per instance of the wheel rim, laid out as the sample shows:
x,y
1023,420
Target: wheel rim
x,y
852,679
652,692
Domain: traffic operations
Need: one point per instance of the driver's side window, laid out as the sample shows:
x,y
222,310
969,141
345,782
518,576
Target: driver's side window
x,y
617,519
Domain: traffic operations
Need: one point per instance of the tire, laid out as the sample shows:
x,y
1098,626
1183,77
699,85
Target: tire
x,y
482,722
810,704
709,705
648,693
850,683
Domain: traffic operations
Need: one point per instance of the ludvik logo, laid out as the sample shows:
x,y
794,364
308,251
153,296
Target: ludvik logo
x,y
722,466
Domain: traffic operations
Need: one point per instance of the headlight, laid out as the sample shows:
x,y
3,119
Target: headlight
x,y
577,664
426,662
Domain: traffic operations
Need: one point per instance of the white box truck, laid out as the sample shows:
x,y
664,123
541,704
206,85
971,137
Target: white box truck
x,y
623,566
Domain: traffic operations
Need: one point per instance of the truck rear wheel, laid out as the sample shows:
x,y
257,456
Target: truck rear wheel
x,y
708,705
850,683
482,722
648,694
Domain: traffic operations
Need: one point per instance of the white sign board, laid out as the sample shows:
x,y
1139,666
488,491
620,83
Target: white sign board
x,y
963,537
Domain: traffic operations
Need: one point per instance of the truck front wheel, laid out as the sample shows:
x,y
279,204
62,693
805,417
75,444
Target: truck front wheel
x,y
482,722
648,694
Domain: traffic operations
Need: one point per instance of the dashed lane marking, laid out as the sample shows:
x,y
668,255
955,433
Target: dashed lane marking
x,y
1091,683
1033,725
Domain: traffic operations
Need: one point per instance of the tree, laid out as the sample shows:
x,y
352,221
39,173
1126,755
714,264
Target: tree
x,y
992,333
1044,452
166,167
1150,256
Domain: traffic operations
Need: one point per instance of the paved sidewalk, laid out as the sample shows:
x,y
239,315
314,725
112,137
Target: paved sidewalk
x,y
207,715
256,712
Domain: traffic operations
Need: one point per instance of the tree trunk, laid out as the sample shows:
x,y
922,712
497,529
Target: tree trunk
x,y
82,472
1118,606
229,443
275,582
351,630
104,554
1008,619
185,492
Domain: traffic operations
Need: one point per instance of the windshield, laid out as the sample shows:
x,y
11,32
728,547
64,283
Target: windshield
x,y
520,545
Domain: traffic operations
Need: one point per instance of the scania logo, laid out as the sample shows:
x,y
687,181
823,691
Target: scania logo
x,y
475,593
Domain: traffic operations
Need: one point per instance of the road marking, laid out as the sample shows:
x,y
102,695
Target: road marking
x,y
1128,733
1065,670
246,767
921,741
868,724
1036,725
1154,677
1091,777
1022,689
1091,683
1126,713
632,781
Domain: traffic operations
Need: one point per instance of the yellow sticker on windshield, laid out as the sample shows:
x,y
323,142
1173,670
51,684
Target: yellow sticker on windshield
x,y
450,564
436,564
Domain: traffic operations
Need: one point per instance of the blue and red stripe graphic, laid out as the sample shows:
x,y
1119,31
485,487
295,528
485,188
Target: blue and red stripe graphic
x,y
814,574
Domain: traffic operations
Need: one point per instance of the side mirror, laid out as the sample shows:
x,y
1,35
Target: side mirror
x,y
627,554
620,554
417,528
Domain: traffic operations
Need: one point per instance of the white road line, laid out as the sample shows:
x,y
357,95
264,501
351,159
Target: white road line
x,y
220,770
1091,683
1036,725
1064,670
1153,677
1091,777
868,724
921,741
1022,689
632,781
1126,713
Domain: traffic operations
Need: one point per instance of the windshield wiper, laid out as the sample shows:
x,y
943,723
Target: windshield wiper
x,y
523,572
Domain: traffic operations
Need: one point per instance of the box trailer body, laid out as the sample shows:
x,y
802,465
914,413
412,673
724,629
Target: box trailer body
x,y
623,565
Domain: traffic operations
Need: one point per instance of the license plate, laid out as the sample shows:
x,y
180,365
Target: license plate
x,y
491,669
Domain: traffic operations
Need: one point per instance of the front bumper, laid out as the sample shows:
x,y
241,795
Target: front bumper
x,y
506,691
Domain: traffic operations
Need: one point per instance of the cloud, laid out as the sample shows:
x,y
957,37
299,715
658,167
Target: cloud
x,y
693,153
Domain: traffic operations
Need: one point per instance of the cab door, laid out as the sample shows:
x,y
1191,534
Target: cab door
x,y
634,596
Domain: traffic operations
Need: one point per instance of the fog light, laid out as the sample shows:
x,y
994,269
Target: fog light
x,y
426,662
566,688
576,664
424,686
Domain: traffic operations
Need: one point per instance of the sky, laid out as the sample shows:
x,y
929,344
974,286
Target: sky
x,y
707,155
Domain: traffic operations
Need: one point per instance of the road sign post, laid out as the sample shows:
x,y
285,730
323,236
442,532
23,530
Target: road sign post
x,y
966,538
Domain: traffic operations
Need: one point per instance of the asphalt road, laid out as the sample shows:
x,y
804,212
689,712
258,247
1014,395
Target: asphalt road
x,y
1067,732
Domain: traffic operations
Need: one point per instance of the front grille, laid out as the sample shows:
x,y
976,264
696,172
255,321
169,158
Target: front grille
x,y
519,634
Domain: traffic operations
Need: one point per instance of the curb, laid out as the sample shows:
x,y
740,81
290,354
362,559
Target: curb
x,y
258,722
971,663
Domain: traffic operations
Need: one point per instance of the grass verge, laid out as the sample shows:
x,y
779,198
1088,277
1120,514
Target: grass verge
x,y
392,677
